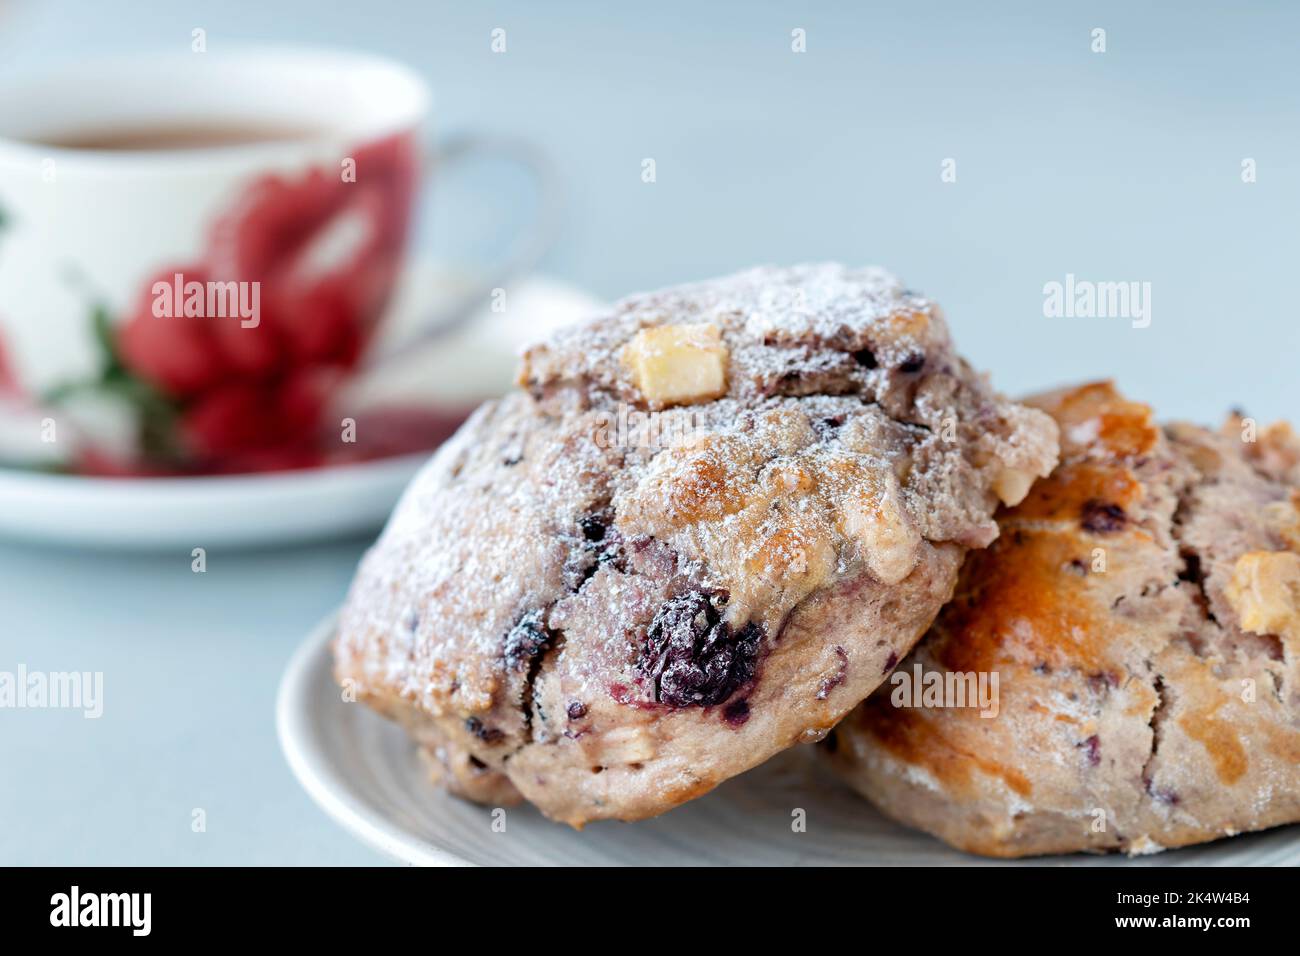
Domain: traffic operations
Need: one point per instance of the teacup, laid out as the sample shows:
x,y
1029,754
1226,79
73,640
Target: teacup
x,y
196,252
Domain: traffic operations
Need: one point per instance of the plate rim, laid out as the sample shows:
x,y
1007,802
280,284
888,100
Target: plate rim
x,y
299,742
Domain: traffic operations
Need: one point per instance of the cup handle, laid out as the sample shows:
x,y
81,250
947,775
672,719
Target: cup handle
x,y
524,251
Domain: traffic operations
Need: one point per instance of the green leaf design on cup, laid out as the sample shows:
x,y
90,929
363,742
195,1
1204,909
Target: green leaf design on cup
x,y
155,414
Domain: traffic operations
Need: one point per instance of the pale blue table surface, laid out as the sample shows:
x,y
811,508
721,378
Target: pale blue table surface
x,y
1116,166
190,665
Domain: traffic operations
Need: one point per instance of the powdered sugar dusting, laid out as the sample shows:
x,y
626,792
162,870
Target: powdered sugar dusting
x,y
849,444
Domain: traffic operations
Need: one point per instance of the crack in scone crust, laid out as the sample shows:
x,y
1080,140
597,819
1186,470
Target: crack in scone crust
x,y
1142,610
609,624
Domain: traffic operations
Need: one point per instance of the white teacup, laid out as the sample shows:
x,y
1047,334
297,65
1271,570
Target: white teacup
x,y
195,251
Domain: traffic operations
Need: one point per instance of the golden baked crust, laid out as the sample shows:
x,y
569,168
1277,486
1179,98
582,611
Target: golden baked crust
x,y
1141,612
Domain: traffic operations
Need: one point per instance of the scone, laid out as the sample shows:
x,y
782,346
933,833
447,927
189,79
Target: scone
x,y
706,527
1141,611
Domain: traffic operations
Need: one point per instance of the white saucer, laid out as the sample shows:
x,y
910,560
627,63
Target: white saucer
x,y
147,513
362,771
474,364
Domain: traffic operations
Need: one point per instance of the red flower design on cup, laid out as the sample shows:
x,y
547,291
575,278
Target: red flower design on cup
x,y
324,253
8,379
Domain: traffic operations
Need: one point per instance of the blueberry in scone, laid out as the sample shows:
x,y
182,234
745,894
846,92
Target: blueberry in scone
x,y
704,528
1141,610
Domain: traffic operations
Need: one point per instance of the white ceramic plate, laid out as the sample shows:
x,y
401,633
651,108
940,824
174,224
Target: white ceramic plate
x,y
475,363
364,773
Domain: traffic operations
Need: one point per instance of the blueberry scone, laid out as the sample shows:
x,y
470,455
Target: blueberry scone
x,y
704,528
1141,611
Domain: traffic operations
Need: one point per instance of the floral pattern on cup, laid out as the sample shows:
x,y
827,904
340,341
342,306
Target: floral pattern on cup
x,y
217,395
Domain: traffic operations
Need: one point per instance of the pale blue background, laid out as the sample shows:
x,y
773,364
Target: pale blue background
x,y
1118,166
